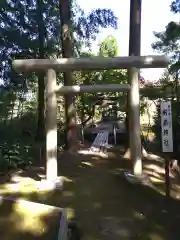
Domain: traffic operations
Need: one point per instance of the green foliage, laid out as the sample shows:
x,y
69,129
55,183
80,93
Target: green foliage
x,y
32,29
168,42
18,147
109,47
20,32
175,6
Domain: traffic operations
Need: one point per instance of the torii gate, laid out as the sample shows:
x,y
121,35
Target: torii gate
x,y
133,63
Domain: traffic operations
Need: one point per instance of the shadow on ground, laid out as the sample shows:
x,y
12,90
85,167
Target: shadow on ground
x,y
103,203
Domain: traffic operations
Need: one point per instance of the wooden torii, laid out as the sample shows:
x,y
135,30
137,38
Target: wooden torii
x,y
78,64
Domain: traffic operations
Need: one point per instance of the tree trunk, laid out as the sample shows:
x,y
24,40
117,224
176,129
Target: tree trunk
x,y
40,134
82,108
67,52
176,138
127,131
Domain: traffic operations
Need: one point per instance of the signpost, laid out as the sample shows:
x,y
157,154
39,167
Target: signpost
x,y
166,127
167,138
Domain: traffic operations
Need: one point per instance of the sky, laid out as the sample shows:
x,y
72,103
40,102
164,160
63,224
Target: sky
x,y
155,16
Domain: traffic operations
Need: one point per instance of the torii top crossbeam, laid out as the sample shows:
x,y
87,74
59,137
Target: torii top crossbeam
x,y
90,63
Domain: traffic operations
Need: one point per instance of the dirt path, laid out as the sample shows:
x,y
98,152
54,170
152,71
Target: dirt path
x,y
106,206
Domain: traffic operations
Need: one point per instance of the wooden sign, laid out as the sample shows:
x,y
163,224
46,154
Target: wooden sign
x,y
166,127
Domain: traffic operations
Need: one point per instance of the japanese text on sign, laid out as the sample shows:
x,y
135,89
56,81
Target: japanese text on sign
x,y
166,127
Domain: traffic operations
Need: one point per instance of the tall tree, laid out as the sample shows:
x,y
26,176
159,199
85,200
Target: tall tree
x,y
30,29
41,83
67,52
168,42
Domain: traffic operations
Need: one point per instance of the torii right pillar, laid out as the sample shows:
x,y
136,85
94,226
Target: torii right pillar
x,y
134,96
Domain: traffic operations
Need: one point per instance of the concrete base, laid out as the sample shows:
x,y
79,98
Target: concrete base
x,y
31,211
137,179
33,185
48,185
